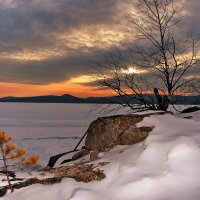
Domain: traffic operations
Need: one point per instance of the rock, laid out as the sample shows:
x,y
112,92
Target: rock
x,y
53,159
76,156
99,137
80,154
80,172
134,135
191,109
3,191
94,155
107,132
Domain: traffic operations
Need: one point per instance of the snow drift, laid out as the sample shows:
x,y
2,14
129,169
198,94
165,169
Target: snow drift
x,y
163,167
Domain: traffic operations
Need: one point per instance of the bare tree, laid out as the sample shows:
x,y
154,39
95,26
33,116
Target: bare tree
x,y
164,61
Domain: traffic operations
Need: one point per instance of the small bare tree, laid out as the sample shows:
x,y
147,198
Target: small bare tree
x,y
163,62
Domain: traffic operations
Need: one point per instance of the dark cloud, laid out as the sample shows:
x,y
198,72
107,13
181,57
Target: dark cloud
x,y
49,71
191,19
33,26
30,23
47,29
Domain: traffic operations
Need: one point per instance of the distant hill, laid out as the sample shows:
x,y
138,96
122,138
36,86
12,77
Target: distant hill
x,y
44,99
66,98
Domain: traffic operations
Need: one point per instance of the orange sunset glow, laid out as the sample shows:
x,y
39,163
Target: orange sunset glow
x,y
47,46
68,87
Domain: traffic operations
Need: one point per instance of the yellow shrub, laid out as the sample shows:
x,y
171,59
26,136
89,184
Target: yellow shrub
x,y
7,153
9,147
4,138
21,152
31,161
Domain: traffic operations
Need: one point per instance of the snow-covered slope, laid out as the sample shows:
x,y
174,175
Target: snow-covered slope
x,y
164,167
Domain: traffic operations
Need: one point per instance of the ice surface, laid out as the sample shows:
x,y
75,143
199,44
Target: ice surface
x,y
45,129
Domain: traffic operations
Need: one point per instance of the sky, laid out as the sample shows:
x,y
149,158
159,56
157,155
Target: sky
x,y
48,47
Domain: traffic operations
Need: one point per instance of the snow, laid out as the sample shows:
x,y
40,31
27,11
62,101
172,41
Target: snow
x,y
164,167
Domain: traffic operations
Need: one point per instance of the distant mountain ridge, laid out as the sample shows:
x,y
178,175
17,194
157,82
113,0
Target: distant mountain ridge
x,y
67,98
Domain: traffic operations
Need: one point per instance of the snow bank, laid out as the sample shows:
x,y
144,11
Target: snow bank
x,y
164,167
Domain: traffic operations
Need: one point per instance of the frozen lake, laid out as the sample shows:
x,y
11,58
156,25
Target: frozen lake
x,y
45,129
